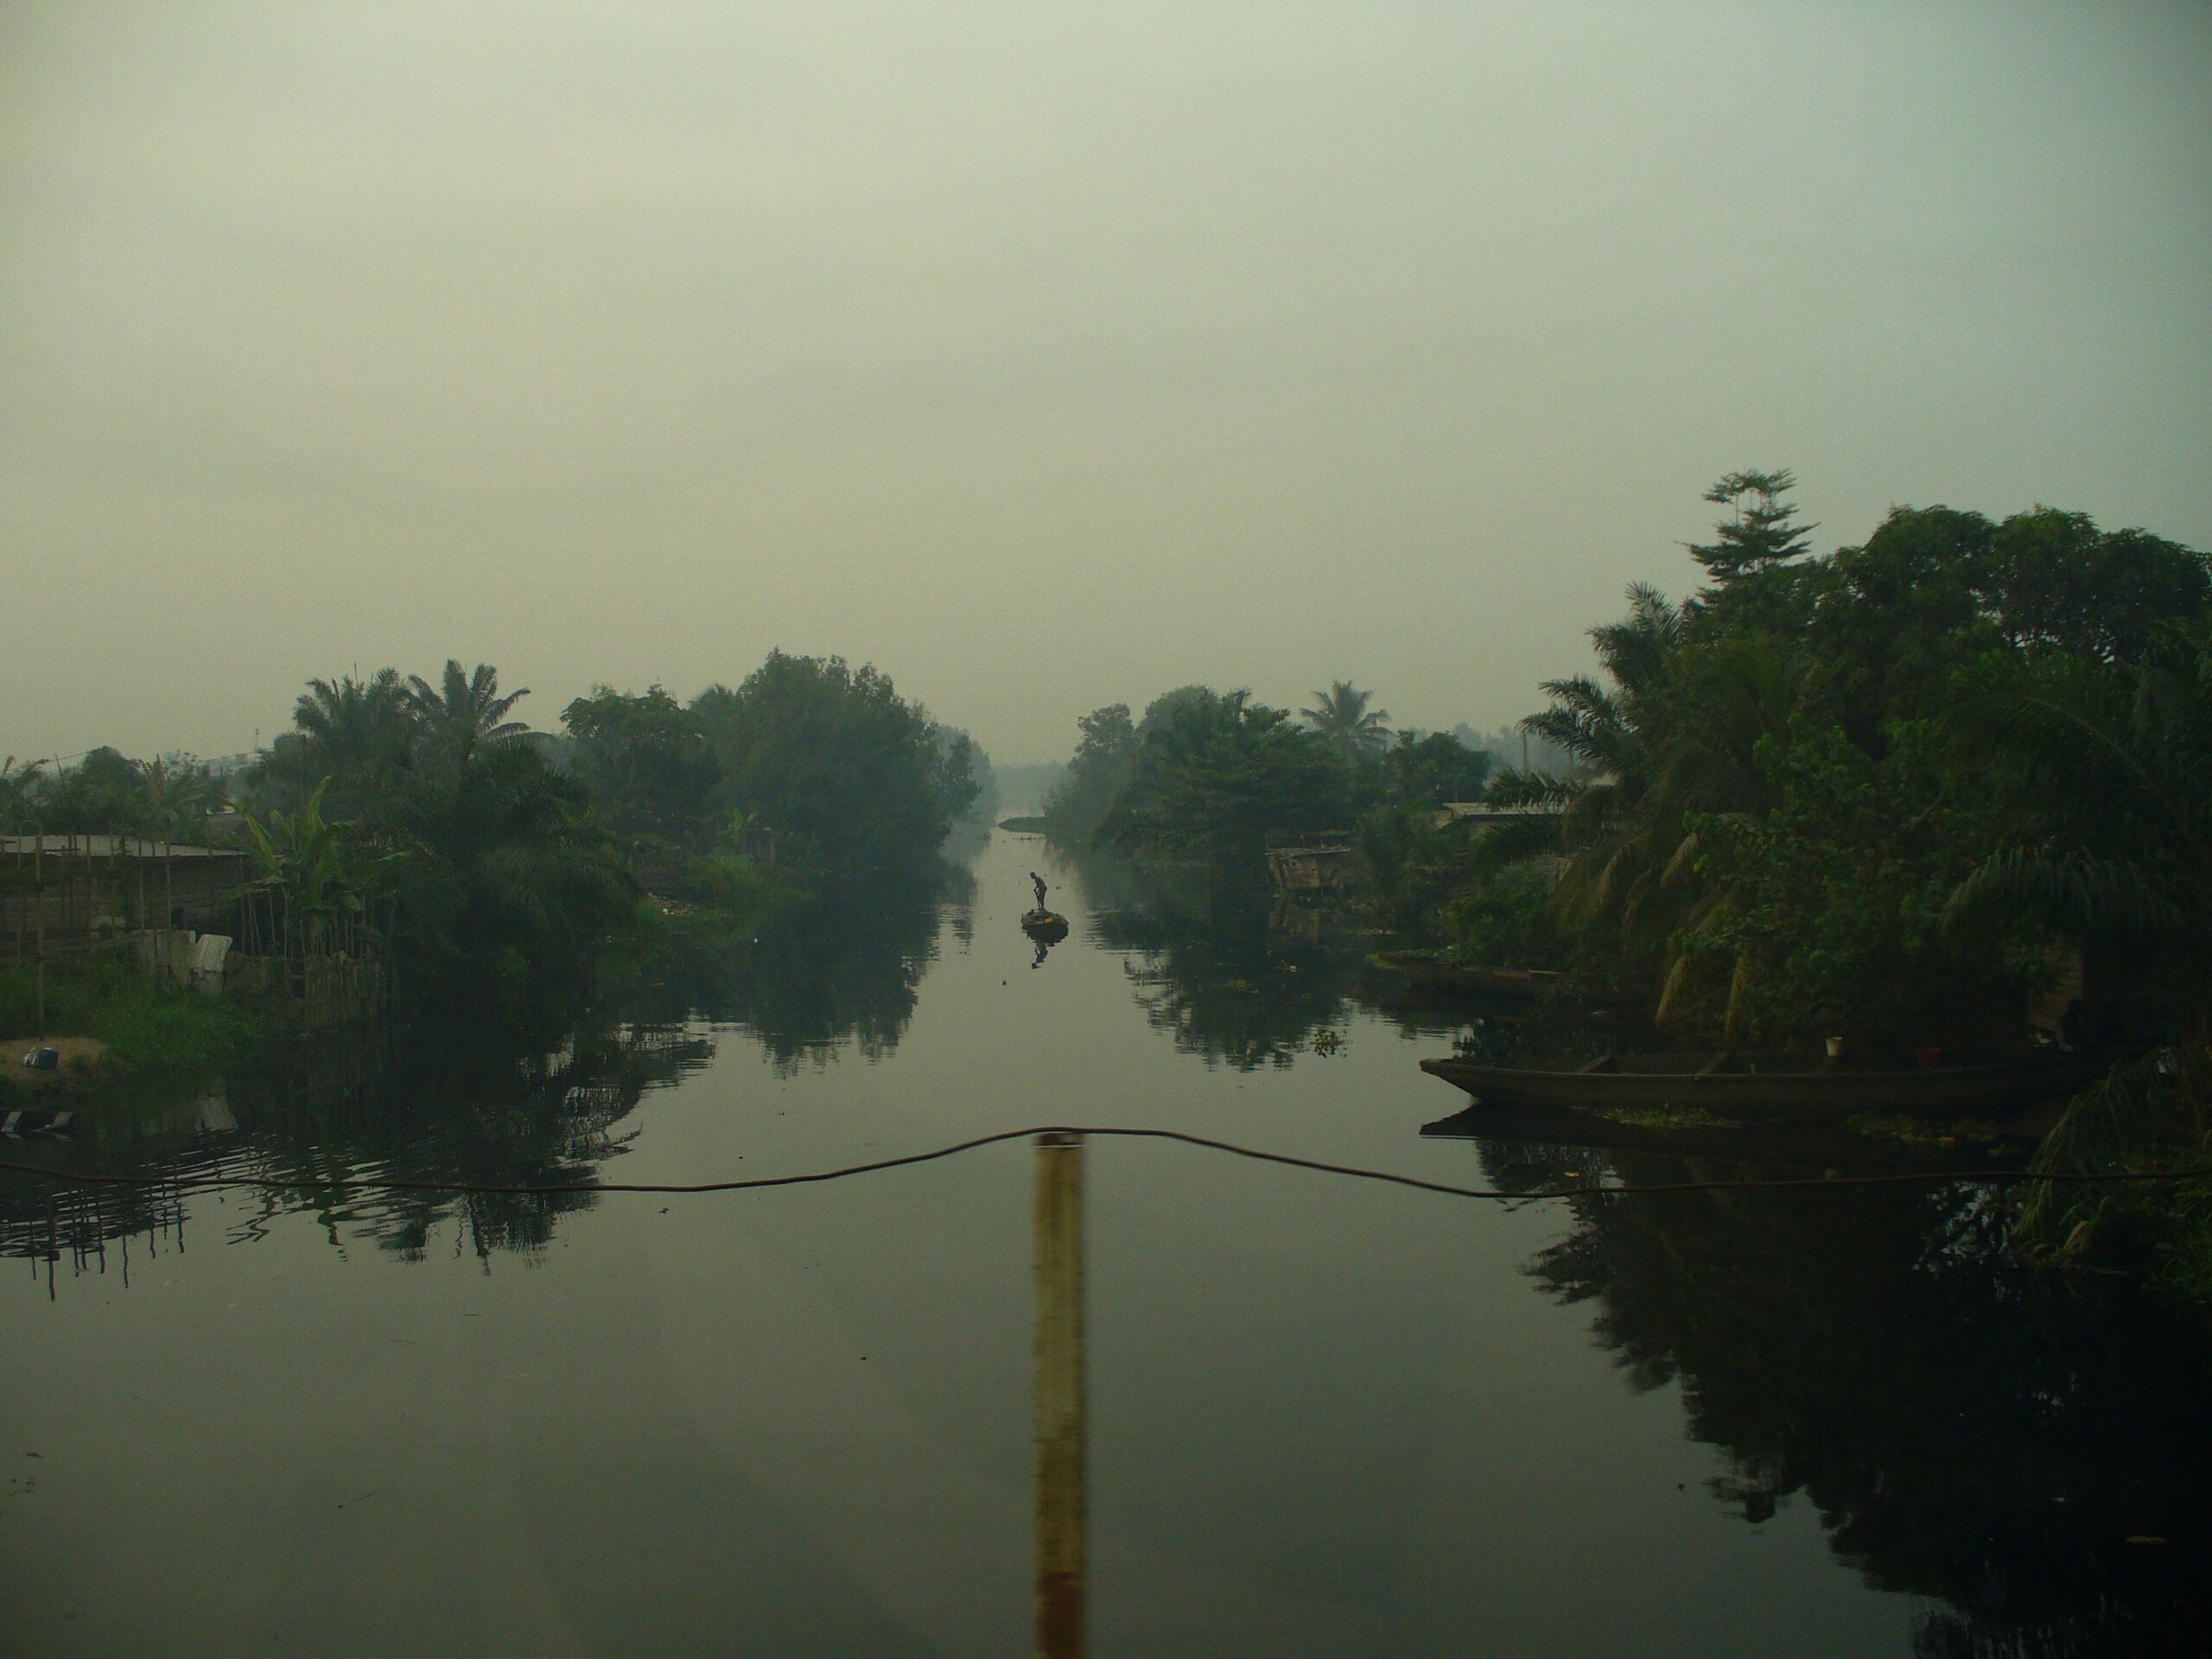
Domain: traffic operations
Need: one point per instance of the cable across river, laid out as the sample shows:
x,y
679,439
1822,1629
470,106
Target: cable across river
x,y
213,1182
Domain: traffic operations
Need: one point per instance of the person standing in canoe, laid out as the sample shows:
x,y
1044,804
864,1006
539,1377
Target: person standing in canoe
x,y
1038,881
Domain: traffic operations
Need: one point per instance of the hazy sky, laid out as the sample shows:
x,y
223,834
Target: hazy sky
x,y
1046,356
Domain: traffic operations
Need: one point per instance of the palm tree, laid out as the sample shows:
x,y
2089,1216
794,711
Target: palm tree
x,y
511,864
467,710
174,796
2113,774
1615,849
1671,740
1344,721
357,734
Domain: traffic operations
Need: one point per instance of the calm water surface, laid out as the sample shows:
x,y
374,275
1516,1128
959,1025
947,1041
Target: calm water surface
x,y
1324,1416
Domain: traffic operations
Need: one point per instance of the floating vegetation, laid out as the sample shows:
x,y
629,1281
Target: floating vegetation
x,y
1666,1118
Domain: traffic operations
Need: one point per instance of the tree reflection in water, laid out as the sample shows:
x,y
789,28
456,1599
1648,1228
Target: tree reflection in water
x,y
426,1104
1213,970
522,1105
840,970
1968,1429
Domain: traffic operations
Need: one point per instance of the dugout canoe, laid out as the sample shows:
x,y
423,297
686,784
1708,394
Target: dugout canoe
x,y
1773,1085
1441,974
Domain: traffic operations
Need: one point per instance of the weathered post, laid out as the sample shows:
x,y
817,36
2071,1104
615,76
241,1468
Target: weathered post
x,y
38,913
1061,1426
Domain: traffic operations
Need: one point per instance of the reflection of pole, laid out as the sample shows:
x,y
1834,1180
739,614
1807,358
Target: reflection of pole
x,y
38,891
1061,1426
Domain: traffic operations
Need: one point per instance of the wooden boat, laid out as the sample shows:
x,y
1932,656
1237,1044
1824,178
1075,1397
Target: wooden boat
x,y
1810,1146
1752,1086
1048,924
1442,974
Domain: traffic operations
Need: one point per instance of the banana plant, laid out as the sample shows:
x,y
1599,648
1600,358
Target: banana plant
x,y
314,870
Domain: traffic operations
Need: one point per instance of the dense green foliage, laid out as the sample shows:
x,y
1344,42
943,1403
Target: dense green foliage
x,y
105,793
1216,772
1773,791
644,758
1211,776
420,823
1104,751
149,1022
425,824
1883,794
836,761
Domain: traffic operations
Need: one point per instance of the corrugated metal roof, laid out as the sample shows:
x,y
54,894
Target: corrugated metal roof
x,y
111,847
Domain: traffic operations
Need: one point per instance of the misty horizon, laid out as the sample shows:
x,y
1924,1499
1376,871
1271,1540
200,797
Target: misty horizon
x,y
1042,363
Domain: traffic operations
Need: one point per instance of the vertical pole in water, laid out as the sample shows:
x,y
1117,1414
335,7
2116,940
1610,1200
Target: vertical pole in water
x,y
38,891
1061,1424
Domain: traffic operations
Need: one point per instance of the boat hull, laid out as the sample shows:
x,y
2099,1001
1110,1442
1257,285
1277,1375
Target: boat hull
x,y
1430,974
1997,1087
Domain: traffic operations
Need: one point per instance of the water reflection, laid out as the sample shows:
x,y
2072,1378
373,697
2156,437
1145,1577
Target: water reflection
x,y
1211,966
841,971
425,1105
1062,1423
1967,1429
510,1106
534,1103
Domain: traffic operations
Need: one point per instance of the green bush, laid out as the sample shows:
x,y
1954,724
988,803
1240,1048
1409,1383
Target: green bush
x,y
149,1022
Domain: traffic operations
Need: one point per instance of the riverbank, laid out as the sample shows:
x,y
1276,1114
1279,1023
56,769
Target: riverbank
x,y
118,1020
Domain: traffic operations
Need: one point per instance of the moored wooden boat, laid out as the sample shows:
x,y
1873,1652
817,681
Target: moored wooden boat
x,y
1809,1145
1753,1086
1442,974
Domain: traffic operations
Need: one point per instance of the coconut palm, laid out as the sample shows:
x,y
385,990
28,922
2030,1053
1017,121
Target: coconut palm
x,y
466,709
1614,735
1344,721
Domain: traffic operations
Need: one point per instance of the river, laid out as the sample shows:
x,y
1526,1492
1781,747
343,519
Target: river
x,y
1319,1415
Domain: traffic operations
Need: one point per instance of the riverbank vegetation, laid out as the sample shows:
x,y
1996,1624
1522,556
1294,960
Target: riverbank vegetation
x,y
1950,787
1209,777
485,864
144,1023
1916,793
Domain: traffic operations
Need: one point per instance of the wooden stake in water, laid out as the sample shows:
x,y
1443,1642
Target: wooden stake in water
x,y
38,890
1061,1426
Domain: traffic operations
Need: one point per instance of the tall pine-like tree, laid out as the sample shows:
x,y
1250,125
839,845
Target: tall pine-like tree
x,y
1764,532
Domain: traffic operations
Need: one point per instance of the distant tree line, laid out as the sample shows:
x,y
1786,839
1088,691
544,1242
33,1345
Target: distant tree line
x,y
1209,776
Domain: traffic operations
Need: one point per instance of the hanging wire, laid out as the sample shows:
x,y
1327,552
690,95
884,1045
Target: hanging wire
x,y
213,1181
